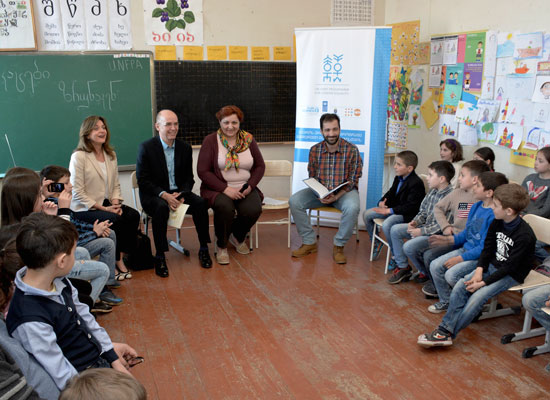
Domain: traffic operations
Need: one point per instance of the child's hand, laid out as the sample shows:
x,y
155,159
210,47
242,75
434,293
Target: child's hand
x,y
101,229
382,204
49,208
415,232
473,286
44,188
117,364
451,262
64,200
439,240
448,231
381,210
411,225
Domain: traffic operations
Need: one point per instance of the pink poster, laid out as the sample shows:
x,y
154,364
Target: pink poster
x,y
461,49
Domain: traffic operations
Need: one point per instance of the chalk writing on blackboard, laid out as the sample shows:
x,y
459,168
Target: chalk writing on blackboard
x,y
23,81
93,92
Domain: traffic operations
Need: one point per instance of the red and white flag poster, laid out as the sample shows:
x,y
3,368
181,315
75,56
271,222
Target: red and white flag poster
x,y
173,22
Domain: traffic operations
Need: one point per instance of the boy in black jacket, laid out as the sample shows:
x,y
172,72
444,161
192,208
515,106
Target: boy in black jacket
x,y
506,259
402,202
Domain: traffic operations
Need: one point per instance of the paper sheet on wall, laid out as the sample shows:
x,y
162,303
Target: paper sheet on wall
x,y
467,135
422,54
528,45
544,139
417,77
523,156
473,75
173,22
532,137
505,66
436,50
429,114
509,135
487,132
453,87
97,28
450,50
519,87
120,25
475,47
522,111
448,125
48,20
404,42
414,116
434,79
500,88
541,115
490,59
546,47
505,47
461,48
74,28
398,96
16,25
488,110
397,133
466,113
541,92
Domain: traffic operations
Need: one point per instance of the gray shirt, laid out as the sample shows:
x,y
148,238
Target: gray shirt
x,y
538,193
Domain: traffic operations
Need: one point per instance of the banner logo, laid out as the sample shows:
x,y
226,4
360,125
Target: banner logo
x,y
332,68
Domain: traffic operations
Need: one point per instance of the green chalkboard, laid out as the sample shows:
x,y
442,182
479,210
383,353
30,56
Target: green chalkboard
x,y
44,97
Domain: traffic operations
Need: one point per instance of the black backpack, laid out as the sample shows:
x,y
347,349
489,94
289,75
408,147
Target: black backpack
x,y
142,257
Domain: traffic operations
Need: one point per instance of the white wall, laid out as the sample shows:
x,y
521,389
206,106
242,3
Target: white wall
x,y
441,17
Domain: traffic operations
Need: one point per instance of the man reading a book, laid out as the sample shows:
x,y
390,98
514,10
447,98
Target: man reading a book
x,y
164,172
331,162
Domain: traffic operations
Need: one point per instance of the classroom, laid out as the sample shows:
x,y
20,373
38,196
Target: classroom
x,y
268,325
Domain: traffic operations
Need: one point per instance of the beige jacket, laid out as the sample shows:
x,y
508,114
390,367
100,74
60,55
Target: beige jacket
x,y
88,180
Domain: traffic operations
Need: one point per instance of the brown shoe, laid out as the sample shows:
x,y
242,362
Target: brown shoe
x,y
304,250
338,255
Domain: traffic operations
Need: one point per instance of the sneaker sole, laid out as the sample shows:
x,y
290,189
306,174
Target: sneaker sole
x,y
403,278
100,311
428,345
429,294
111,303
436,311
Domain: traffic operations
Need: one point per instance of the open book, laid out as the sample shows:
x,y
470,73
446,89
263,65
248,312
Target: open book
x,y
321,189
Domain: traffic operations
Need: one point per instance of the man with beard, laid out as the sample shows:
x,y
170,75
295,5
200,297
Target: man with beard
x,y
332,162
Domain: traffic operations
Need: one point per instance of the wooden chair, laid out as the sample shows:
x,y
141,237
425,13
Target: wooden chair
x,y
277,168
541,227
145,218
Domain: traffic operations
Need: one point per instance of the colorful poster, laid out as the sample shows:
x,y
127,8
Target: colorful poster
x,y
487,132
414,116
528,45
422,56
450,50
397,134
490,60
173,22
505,47
488,110
467,135
473,75
532,138
404,40
435,76
466,113
488,87
523,156
509,135
541,94
461,48
519,87
475,46
398,93
453,87
500,88
436,50
417,85
448,125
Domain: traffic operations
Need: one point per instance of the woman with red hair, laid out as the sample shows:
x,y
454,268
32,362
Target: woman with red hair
x,y
230,166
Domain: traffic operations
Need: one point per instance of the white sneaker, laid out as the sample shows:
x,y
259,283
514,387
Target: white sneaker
x,y
241,248
222,257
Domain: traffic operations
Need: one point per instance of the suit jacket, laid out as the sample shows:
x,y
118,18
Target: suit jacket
x,y
88,180
152,171
407,201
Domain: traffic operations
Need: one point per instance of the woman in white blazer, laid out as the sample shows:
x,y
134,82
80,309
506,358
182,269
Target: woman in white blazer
x,y
96,189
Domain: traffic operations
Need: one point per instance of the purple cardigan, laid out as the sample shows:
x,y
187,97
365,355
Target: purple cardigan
x,y
211,176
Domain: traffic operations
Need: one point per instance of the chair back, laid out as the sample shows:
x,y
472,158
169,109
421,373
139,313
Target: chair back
x,y
540,225
424,178
135,188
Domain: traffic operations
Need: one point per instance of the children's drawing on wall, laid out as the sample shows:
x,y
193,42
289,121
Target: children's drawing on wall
x,y
525,66
398,93
414,116
436,52
397,134
541,93
546,47
528,45
544,139
435,76
467,135
466,113
475,46
519,87
488,110
487,132
488,87
504,111
453,87
473,74
505,46
521,112
404,42
422,55
417,85
450,50
490,59
448,125
523,156
533,138
505,66
500,87
541,114
509,135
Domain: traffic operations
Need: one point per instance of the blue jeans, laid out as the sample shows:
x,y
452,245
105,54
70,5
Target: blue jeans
x,y
445,279
540,251
465,306
533,300
415,249
300,202
105,247
389,221
94,271
398,234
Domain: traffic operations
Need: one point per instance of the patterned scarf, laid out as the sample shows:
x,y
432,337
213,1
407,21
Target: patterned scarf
x,y
243,142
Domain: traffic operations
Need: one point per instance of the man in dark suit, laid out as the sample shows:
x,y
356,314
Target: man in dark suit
x,y
165,180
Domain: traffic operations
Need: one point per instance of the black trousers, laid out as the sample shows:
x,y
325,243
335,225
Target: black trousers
x,y
235,216
159,210
125,226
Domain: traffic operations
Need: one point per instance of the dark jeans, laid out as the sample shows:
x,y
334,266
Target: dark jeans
x,y
159,210
247,212
125,226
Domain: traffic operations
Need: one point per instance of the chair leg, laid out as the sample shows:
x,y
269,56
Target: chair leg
x,y
177,244
288,224
318,222
372,242
256,235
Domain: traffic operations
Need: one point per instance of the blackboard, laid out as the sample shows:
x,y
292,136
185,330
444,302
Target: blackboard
x,y
196,90
44,97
